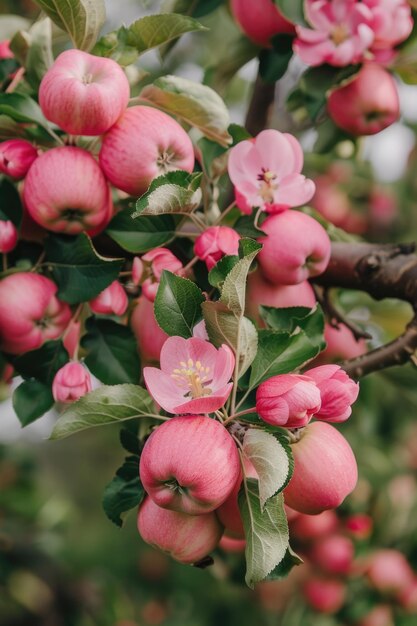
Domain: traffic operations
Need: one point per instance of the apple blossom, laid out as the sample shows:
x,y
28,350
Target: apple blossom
x,y
65,191
30,312
143,144
154,263
366,104
388,571
16,157
186,538
337,392
326,595
333,554
190,464
266,172
341,32
8,236
111,301
71,338
149,336
392,23
287,400
317,486
71,382
84,94
260,20
137,270
214,243
295,248
194,376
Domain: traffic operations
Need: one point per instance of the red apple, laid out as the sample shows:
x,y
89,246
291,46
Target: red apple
x,y
333,554
190,464
260,20
145,143
187,538
149,336
324,594
308,527
229,512
325,470
389,571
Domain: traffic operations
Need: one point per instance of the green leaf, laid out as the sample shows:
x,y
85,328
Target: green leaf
x,y
11,205
240,51
290,560
124,492
79,271
106,405
151,31
234,287
266,532
197,8
39,57
31,399
280,353
246,228
174,192
311,321
178,305
195,104
222,268
42,363
270,460
293,10
111,352
143,233
21,108
81,19
273,62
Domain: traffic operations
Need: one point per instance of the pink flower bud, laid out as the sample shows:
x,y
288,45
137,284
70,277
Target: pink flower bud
x,y
158,260
8,236
71,382
288,400
5,52
214,243
16,157
71,338
112,301
337,391
137,270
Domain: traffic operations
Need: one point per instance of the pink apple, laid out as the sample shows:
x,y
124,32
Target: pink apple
x,y
65,191
187,538
149,336
333,554
367,104
408,597
16,157
341,345
315,487
190,464
325,595
8,236
262,292
295,248
229,512
310,527
388,571
84,94
143,144
260,20
229,544
30,312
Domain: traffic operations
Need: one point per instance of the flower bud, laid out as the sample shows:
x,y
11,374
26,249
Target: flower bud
x,y
71,382
158,260
137,270
288,400
112,301
5,52
214,243
337,391
16,157
8,236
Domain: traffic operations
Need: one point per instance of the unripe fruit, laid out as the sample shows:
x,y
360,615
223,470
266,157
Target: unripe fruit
x,y
65,191
190,464
149,336
30,313
8,236
187,538
367,104
143,144
333,554
260,20
325,595
317,486
84,94
16,157
296,247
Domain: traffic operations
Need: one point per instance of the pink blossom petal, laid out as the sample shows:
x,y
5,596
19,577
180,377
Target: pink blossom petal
x,y
276,151
162,388
224,366
206,404
294,190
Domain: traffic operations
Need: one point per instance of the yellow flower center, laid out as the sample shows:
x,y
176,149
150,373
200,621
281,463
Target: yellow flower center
x,y
193,376
339,34
267,185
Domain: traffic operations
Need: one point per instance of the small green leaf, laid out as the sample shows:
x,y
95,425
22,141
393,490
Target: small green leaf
x,y
197,8
106,405
42,363
233,292
290,560
266,532
143,233
80,272
178,305
222,268
293,10
174,192
289,319
22,108
39,57
11,205
31,399
280,353
195,104
270,460
124,492
81,19
273,62
111,352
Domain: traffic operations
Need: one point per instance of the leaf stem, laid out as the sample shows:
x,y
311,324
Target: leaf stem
x,y
4,262
225,212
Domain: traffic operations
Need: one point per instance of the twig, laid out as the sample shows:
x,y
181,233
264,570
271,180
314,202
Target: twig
x,y
336,317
